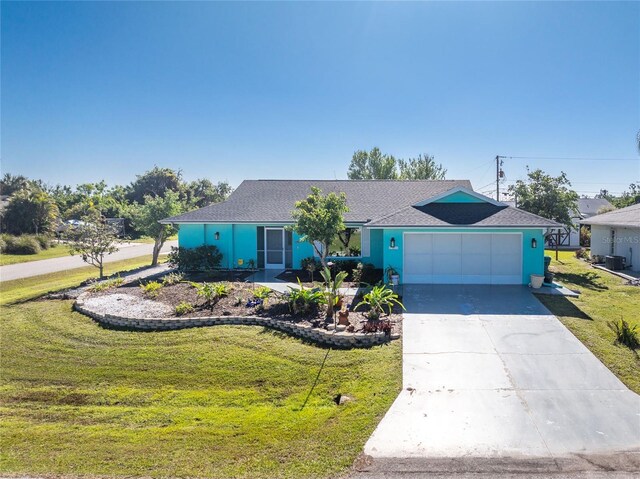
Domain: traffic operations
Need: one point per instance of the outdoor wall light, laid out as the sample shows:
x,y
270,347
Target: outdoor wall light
x,y
217,235
392,243
534,243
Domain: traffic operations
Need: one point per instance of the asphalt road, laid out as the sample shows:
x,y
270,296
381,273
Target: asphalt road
x,y
54,265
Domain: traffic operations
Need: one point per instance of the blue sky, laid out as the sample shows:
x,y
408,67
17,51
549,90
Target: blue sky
x,y
231,91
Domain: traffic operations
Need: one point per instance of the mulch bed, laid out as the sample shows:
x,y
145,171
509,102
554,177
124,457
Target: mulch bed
x,y
236,305
292,275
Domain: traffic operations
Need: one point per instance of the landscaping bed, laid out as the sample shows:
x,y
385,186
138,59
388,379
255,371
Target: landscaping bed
x,y
182,299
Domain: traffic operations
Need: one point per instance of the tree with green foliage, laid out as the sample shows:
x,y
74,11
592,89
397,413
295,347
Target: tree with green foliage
x,y
10,184
30,210
203,192
375,165
627,198
319,219
547,196
153,183
93,239
423,167
372,165
146,218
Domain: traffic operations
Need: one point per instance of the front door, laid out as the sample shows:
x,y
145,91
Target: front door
x,y
274,248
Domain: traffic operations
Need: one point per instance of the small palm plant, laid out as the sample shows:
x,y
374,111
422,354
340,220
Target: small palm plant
x,y
380,300
626,333
332,286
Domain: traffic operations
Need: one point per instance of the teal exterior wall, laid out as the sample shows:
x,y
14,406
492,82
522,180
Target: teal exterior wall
x,y
532,259
190,235
460,197
239,242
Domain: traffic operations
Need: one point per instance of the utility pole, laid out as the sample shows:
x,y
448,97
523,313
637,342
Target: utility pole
x,y
499,174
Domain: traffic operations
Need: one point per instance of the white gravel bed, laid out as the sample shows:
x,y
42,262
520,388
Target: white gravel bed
x,y
128,306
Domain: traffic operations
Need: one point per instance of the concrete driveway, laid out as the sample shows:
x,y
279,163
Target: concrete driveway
x,y
489,372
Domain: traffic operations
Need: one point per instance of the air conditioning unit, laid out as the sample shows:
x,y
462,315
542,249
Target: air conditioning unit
x,y
614,263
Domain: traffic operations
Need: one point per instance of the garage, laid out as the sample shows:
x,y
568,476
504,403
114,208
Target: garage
x,y
463,258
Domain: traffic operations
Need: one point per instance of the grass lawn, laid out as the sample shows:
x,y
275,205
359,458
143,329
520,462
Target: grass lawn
x,y
604,297
55,251
208,402
28,288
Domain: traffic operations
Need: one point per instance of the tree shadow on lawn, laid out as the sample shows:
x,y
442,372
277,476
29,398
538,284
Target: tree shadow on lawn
x,y
562,306
588,279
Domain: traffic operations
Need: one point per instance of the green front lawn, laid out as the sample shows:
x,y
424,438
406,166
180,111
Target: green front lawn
x,y
29,288
604,297
54,251
208,402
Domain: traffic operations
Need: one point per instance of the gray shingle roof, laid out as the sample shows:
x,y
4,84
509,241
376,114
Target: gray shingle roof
x,y
272,201
589,206
384,203
463,214
629,216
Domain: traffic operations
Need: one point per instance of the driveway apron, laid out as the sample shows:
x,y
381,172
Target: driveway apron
x,y
488,371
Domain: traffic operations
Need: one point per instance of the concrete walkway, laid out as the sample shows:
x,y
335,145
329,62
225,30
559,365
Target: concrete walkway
x,y
490,376
53,265
268,278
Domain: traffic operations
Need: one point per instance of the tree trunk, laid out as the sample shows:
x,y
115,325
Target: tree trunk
x,y
101,270
157,246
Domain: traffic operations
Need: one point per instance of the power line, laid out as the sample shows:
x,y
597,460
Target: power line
x,y
570,158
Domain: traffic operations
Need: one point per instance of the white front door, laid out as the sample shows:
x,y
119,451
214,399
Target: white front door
x,y
274,248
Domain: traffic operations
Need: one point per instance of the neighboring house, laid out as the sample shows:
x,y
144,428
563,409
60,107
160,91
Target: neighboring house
x,y
587,207
617,233
429,231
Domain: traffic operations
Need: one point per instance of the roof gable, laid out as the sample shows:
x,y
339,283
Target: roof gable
x,y
459,194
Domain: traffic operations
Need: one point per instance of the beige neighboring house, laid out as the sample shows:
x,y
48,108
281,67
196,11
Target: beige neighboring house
x,y
617,233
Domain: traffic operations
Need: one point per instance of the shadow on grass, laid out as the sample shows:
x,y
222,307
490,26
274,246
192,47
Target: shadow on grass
x,y
315,383
562,306
588,279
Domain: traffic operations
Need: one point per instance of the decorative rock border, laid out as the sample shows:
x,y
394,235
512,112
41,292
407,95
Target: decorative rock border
x,y
342,340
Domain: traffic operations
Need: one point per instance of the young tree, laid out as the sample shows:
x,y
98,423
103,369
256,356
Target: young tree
x,y
30,210
423,167
154,209
547,196
372,165
319,219
92,240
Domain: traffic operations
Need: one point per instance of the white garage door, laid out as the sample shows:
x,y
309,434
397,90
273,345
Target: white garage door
x,y
463,258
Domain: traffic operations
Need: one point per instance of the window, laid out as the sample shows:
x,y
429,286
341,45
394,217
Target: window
x,y
347,244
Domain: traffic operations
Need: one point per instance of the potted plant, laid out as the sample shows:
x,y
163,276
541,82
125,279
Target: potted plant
x,y
392,275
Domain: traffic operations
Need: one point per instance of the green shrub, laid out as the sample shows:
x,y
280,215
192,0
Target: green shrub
x,y
582,253
378,299
107,284
172,278
3,244
43,240
184,308
305,301
21,245
212,292
151,289
626,333
202,258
